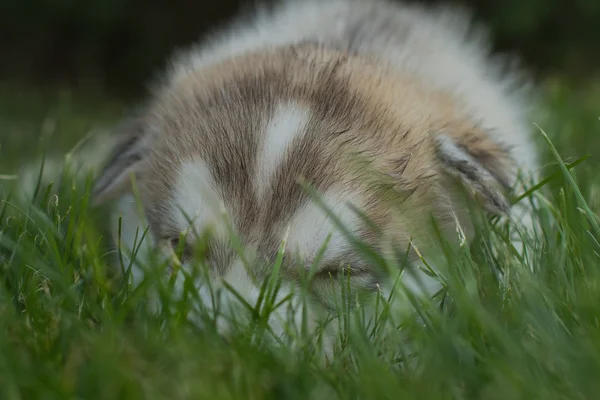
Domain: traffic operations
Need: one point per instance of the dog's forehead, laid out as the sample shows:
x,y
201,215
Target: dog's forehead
x,y
239,137
250,180
249,166
242,123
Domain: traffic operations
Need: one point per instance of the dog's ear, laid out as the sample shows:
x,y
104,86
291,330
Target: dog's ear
x,y
127,159
481,166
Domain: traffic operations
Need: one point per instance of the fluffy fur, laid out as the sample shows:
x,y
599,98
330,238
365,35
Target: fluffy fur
x,y
383,107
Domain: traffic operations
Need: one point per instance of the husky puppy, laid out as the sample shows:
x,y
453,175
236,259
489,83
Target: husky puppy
x,y
385,111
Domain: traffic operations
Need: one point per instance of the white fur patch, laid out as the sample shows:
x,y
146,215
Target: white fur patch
x,y
231,310
279,320
228,304
196,200
237,277
311,226
288,123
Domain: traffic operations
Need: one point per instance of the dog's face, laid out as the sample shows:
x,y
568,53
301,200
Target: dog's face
x,y
246,138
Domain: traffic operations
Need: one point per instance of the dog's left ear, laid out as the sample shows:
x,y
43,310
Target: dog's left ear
x,y
481,166
127,158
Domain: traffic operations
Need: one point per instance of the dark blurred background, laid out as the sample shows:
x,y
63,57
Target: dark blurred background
x,y
119,44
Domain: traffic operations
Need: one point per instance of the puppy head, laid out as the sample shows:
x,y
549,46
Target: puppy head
x,y
240,136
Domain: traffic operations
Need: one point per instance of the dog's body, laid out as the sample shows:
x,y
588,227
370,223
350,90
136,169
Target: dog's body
x,y
377,106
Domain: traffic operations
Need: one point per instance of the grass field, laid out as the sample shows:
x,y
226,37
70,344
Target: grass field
x,y
71,329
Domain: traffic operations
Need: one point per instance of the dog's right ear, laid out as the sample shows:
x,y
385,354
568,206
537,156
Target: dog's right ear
x,y
126,160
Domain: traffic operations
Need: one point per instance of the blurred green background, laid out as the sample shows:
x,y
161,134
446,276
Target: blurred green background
x,y
118,44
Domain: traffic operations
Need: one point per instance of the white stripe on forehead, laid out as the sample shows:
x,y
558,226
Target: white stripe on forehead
x,y
288,123
196,199
311,226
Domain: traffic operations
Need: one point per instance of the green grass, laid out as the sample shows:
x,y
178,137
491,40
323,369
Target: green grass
x,y
70,327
